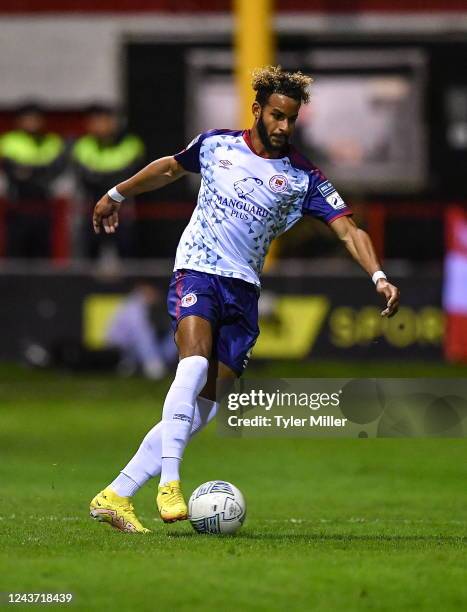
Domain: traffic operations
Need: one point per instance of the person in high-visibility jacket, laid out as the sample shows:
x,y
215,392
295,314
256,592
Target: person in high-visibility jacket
x,y
31,159
106,154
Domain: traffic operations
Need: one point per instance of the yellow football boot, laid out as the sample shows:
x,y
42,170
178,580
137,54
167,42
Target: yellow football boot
x,y
108,507
170,502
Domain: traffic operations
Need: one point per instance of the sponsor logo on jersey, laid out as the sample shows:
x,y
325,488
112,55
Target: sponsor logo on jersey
x,y
245,186
326,188
255,210
278,183
225,163
335,201
189,300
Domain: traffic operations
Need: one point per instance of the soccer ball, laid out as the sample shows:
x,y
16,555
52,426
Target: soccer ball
x,y
216,507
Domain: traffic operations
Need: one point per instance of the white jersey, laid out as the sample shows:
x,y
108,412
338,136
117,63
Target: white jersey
x,y
245,201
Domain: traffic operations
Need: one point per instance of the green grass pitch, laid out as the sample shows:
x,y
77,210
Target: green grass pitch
x,y
332,524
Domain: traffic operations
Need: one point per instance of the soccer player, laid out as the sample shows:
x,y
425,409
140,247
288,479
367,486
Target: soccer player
x,y
254,186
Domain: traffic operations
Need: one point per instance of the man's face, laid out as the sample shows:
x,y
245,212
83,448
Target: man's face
x,y
32,122
276,121
102,125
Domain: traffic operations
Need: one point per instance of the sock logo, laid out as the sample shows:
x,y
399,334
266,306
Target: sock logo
x,y
189,300
181,417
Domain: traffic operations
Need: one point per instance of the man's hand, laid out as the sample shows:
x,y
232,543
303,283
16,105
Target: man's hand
x,y
106,215
391,295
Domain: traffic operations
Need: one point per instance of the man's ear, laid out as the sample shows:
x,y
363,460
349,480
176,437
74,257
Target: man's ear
x,y
256,108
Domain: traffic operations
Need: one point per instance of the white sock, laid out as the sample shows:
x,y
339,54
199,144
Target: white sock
x,y
177,415
205,411
171,467
124,485
146,462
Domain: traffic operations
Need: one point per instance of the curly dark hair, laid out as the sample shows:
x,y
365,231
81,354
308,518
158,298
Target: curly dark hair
x,y
272,79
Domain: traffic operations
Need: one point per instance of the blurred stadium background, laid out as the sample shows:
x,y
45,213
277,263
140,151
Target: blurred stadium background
x,y
113,85
90,92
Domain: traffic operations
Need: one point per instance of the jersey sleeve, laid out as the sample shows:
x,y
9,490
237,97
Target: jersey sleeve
x,y
322,200
189,157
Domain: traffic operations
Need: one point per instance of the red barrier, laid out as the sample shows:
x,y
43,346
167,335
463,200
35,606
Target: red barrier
x,y
59,209
2,228
376,215
60,247
455,284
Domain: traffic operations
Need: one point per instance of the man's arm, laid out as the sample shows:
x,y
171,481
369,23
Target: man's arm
x,y
155,175
359,245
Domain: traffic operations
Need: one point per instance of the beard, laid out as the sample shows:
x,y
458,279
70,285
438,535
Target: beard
x,y
263,134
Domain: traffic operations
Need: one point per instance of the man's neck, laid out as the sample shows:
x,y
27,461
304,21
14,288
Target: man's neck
x,y
259,147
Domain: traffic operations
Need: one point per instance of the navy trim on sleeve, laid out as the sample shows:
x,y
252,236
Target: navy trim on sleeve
x,y
322,199
189,157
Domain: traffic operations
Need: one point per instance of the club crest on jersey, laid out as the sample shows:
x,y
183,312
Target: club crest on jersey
x,y
278,183
245,186
189,300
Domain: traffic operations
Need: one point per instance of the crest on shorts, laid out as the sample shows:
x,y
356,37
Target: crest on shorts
x,y
278,183
189,299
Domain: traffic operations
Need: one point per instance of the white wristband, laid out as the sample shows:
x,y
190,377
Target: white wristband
x,y
115,195
377,275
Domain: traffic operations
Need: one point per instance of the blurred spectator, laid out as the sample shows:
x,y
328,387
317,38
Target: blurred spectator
x,y
31,159
133,332
106,155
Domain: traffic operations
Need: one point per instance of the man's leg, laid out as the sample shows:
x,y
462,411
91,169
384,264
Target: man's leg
x,y
236,333
194,341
